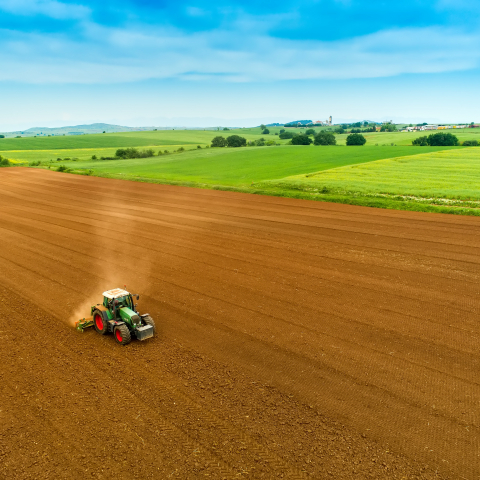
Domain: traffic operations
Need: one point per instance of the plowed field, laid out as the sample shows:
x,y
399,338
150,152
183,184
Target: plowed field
x,y
295,339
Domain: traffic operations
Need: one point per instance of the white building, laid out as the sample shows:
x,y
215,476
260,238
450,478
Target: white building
x,y
326,122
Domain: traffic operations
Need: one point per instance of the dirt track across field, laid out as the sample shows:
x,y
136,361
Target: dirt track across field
x,y
295,339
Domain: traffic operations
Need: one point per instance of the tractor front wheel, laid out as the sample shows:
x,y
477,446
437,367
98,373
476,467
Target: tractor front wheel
x,y
148,320
122,335
99,322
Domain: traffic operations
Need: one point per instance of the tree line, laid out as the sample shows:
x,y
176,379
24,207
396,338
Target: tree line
x,y
442,139
321,138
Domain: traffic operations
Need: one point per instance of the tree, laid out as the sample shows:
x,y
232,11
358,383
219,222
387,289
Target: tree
x,y
470,143
442,139
285,135
2,136
266,131
225,128
356,139
325,138
236,141
301,139
262,127
420,142
340,130
389,127
365,124
310,131
282,130
134,153
219,142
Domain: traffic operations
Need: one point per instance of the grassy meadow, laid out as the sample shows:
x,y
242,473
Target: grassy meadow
x,y
238,166
387,172
101,144
406,138
152,139
440,177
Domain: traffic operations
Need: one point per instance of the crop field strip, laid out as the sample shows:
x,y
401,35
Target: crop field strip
x,y
241,166
117,140
450,174
193,137
230,167
374,315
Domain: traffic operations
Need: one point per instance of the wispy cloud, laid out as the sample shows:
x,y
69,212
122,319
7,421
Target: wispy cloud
x,y
244,54
245,44
48,8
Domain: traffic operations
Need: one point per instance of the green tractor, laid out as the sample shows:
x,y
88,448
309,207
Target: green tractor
x,y
118,315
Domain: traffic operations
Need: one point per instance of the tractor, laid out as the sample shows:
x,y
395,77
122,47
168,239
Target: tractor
x,y
118,315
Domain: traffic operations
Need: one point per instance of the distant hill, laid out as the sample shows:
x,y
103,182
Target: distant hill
x,y
296,122
76,130
93,128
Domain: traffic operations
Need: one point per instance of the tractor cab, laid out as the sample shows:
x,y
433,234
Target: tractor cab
x,y
120,306
118,297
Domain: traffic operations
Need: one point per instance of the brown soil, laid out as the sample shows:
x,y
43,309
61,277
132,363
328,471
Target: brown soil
x,y
295,339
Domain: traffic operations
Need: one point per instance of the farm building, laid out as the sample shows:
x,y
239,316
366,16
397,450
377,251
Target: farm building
x,y
326,122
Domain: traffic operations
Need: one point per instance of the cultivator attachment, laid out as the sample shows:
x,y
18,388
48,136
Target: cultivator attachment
x,y
84,323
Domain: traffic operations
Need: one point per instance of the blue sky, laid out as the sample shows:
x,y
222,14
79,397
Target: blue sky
x,y
199,63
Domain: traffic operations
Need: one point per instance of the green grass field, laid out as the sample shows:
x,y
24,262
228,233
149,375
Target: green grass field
x,y
241,166
449,178
15,147
452,174
118,140
377,174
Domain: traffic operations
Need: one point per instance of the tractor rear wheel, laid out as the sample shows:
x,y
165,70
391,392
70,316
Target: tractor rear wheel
x,y
100,323
122,335
148,320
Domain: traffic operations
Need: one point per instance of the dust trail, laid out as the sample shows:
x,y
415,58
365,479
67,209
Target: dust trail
x,y
83,310
115,268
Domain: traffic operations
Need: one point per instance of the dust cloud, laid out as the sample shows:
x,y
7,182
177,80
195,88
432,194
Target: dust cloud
x,y
116,259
